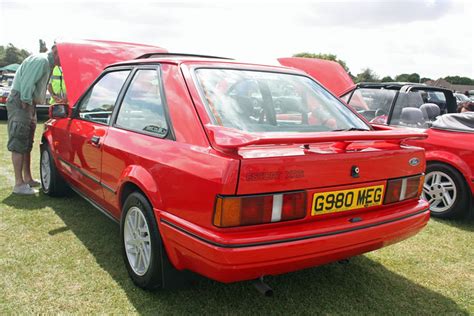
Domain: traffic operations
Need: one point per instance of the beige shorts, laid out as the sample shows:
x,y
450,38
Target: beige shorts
x,y
21,124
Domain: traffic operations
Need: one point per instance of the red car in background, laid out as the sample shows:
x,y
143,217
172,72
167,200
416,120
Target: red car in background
x,y
231,170
449,180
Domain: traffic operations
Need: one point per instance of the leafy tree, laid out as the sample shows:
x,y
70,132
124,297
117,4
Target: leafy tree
x,y
42,46
367,75
12,55
414,77
387,79
459,80
332,57
425,79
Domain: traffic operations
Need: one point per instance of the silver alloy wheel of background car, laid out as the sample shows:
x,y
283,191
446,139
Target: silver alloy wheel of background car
x,y
45,170
439,190
136,237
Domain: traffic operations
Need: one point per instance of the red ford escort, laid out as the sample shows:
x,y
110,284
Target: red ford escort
x,y
230,170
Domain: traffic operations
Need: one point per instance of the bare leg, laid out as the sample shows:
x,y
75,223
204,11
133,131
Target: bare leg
x,y
27,168
17,160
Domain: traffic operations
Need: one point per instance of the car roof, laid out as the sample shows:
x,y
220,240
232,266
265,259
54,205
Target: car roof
x,y
215,61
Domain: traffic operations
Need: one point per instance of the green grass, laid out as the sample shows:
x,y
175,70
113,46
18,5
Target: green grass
x,y
62,255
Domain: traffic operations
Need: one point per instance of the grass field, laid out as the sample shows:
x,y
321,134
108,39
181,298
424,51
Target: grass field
x,y
62,255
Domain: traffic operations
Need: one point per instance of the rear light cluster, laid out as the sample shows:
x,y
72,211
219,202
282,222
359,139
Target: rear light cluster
x,y
404,189
3,99
259,209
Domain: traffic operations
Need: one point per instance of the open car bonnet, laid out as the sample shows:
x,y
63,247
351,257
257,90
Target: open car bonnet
x,y
82,61
329,73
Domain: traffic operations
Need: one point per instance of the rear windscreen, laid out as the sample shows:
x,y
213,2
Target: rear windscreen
x,y
257,101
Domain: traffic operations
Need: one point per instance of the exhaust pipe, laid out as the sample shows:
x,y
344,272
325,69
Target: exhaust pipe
x,y
262,287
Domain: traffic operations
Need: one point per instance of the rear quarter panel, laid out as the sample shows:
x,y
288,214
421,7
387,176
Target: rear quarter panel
x,y
452,148
180,176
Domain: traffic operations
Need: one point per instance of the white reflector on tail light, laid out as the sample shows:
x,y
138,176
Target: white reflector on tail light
x,y
404,189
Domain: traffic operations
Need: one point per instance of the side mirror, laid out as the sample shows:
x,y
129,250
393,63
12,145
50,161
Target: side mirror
x,y
58,111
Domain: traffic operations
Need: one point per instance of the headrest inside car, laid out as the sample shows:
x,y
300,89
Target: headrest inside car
x,y
411,116
430,111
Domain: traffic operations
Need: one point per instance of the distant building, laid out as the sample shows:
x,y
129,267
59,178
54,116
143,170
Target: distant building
x,y
454,87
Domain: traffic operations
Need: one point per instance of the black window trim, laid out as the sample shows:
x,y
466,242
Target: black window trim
x,y
77,106
170,135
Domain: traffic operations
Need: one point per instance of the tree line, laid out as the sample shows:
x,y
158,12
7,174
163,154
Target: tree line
x,y
368,75
10,54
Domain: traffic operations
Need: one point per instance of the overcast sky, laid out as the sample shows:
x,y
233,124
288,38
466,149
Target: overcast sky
x,y
434,38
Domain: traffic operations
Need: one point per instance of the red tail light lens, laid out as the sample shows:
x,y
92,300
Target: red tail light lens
x,y
294,206
392,194
256,210
260,209
404,189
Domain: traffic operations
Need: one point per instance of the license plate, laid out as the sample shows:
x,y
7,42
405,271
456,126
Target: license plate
x,y
346,200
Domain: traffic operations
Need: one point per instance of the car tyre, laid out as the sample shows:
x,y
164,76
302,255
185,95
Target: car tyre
x,y
141,243
446,191
52,183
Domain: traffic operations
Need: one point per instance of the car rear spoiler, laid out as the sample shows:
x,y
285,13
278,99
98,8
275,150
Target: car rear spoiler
x,y
230,139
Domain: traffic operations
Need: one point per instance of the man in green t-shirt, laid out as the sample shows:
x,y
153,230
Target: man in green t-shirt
x,y
28,89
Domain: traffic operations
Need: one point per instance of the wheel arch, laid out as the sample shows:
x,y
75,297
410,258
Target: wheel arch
x,y
46,140
452,161
171,277
464,178
136,178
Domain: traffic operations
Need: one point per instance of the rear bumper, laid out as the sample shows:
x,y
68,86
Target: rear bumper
x,y
225,261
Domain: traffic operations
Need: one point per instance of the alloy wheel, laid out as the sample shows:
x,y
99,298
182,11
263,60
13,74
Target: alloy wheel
x,y
440,191
137,241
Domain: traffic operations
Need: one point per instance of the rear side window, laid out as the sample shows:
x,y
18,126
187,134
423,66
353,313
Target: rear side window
x,y
98,104
142,106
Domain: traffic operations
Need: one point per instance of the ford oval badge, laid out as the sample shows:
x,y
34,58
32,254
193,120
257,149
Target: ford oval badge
x,y
414,162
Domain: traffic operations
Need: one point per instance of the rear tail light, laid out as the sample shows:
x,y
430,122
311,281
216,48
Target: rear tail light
x,y
403,189
259,209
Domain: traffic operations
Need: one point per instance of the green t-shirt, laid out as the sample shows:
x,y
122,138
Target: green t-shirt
x,y
31,78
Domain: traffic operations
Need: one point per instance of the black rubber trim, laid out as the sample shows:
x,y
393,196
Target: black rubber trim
x,y
85,174
80,171
108,188
94,204
342,231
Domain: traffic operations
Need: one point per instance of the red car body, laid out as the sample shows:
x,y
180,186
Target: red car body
x,y
444,148
453,148
184,177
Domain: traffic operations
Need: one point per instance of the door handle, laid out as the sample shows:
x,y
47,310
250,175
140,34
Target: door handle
x,y
95,140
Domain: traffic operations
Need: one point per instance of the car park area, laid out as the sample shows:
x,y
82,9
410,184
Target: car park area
x,y
75,265
237,158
